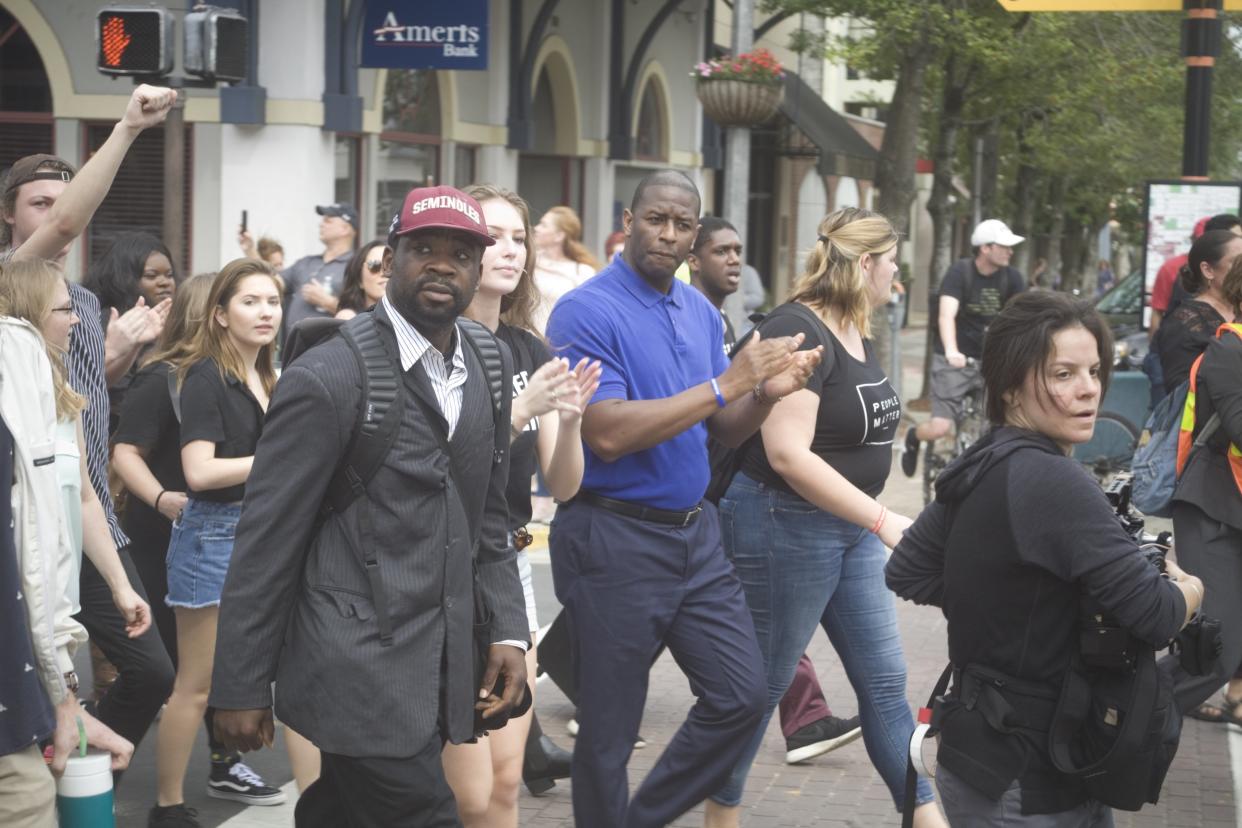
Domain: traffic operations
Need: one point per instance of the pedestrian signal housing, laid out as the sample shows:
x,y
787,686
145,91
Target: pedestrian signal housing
x,y
216,44
134,40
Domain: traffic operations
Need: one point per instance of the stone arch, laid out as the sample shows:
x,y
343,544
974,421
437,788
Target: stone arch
x,y
55,64
556,59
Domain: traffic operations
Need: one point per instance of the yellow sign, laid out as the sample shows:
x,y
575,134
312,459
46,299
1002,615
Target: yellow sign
x,y
1103,5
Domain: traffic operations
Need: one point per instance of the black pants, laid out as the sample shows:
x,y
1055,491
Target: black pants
x,y
144,671
1211,550
356,792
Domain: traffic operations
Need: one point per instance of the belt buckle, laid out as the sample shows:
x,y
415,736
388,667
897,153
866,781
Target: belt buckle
x,y
690,515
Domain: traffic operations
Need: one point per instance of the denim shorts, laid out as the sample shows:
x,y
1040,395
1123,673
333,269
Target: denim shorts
x,y
199,553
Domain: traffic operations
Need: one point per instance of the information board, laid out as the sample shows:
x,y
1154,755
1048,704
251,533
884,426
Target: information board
x,y
1173,209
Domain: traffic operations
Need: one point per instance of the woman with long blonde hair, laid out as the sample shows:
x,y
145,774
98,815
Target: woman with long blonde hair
x,y
564,261
35,290
548,399
224,379
801,519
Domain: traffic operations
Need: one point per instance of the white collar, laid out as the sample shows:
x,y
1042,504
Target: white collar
x,y
413,345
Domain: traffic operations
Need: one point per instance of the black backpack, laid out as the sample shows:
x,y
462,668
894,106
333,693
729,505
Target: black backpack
x,y
379,416
382,399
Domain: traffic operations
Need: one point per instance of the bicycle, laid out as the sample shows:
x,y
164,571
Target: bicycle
x,y
968,427
1111,447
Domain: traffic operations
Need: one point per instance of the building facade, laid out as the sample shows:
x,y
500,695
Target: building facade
x,y
578,101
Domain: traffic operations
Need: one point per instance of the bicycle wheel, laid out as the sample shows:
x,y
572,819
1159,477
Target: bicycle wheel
x,y
1111,447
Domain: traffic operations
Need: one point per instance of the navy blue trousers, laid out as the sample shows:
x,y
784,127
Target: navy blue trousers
x,y
628,587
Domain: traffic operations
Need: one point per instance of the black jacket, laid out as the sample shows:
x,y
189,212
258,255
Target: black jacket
x,y
1018,534
1207,480
297,605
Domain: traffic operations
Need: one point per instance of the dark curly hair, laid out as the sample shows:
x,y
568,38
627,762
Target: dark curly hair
x,y
115,275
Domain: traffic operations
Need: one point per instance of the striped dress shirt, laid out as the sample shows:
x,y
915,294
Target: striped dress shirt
x,y
447,376
86,376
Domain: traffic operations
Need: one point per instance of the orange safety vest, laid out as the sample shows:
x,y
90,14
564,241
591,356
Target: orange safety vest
x,y
1185,436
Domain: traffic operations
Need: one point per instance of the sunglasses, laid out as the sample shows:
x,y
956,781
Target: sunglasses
x,y
375,265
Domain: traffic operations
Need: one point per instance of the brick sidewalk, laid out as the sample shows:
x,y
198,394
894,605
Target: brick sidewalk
x,y
842,788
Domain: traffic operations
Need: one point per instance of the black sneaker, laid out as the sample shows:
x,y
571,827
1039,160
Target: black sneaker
x,y
910,453
820,737
233,779
172,816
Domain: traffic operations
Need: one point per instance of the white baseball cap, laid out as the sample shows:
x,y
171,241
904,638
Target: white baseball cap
x,y
994,231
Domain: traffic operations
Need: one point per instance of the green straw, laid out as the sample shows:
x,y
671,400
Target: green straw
x,y
81,737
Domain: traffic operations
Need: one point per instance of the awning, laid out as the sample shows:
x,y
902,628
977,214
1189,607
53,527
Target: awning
x,y
842,151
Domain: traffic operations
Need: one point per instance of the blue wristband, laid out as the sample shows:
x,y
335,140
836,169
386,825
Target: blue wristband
x,y
720,400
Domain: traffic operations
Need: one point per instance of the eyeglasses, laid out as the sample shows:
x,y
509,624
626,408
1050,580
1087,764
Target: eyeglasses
x,y
375,265
66,309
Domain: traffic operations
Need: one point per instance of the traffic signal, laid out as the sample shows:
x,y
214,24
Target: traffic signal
x,y
134,40
216,44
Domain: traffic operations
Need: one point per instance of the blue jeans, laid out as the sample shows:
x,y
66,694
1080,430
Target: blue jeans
x,y
801,566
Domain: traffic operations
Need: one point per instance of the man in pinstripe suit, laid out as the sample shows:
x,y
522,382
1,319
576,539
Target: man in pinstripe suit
x,y
298,605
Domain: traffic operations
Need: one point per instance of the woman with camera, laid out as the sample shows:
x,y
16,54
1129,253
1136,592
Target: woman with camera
x,y
1018,537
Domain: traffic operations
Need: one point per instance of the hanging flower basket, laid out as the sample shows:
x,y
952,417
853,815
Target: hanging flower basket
x,y
744,91
739,103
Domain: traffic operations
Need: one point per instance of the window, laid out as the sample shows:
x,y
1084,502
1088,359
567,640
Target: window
x,y
464,161
25,95
649,136
409,147
347,168
136,198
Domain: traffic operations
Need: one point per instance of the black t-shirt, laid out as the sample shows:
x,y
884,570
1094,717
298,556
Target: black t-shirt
x,y
224,412
980,297
1184,333
529,353
858,408
148,421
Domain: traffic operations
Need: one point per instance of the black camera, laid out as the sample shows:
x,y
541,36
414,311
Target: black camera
x,y
1105,644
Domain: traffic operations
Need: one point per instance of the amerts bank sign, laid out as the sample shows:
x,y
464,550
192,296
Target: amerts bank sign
x,y
425,34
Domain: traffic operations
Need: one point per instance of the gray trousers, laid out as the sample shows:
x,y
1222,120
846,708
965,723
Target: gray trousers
x,y
965,807
1213,551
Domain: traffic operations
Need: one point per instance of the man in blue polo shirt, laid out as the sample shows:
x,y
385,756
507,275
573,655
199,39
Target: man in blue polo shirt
x,y
636,556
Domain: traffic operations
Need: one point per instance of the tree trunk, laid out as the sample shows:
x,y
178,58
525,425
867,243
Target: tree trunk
x,y
1026,189
895,170
1056,208
991,168
944,156
894,176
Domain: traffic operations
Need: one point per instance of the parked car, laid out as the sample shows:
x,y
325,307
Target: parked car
x,y
1122,308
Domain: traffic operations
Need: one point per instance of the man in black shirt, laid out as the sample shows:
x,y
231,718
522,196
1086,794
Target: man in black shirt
x,y
715,263
972,292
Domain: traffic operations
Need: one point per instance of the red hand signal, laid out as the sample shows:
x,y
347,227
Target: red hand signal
x,y
115,40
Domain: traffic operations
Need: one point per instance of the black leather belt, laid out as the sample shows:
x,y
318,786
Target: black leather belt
x,y
634,510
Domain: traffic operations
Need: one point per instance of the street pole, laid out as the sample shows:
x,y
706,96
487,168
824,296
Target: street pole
x,y
1200,46
174,184
737,139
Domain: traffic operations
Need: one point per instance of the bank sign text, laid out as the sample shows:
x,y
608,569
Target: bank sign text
x,y
425,34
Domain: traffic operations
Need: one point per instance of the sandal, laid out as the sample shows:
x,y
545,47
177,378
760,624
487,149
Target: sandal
x,y
1226,713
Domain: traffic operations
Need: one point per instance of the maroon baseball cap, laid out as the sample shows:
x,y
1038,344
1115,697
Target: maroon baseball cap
x,y
443,208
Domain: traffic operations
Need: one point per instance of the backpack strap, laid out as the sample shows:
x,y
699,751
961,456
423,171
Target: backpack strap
x,y
488,348
375,430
